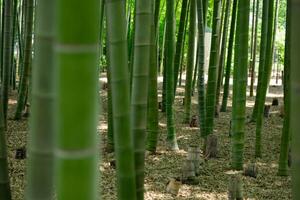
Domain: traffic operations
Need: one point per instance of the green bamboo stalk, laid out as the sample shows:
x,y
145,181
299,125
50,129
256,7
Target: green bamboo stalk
x,y
5,192
152,125
252,29
253,63
170,47
195,73
116,24
24,82
12,71
213,69
162,68
182,56
265,79
40,169
205,8
240,84
262,57
6,59
179,44
76,60
295,95
223,52
285,137
229,57
139,98
191,62
110,126
201,59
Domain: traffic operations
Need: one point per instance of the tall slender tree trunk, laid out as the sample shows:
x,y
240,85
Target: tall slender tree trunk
x,y
229,57
162,69
139,98
5,192
115,13
222,54
201,59
295,95
42,122
240,84
6,59
24,82
180,41
170,47
285,137
265,79
253,60
152,125
262,56
191,62
77,53
213,69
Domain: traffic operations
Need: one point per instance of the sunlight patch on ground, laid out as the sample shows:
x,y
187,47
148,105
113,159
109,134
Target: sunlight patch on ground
x,y
12,102
211,195
102,126
162,124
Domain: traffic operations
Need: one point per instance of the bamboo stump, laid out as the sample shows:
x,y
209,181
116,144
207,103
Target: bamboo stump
x,y
173,186
251,170
194,155
267,111
235,188
211,150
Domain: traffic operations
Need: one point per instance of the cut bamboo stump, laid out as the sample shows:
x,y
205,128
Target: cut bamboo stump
x,y
267,111
194,122
251,170
194,154
235,188
188,170
173,186
211,150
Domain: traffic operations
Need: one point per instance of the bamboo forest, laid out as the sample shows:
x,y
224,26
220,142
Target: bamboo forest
x,y
149,99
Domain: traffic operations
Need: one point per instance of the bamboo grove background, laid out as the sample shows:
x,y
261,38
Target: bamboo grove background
x,y
52,53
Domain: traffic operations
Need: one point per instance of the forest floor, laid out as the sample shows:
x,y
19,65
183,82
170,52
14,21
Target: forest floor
x,y
214,177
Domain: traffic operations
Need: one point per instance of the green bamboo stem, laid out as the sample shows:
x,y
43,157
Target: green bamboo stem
x,y
170,47
285,137
152,125
201,59
76,62
179,44
262,57
265,80
124,151
223,52
5,192
253,62
24,82
6,59
229,57
295,95
110,126
240,84
191,62
139,98
40,169
213,69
